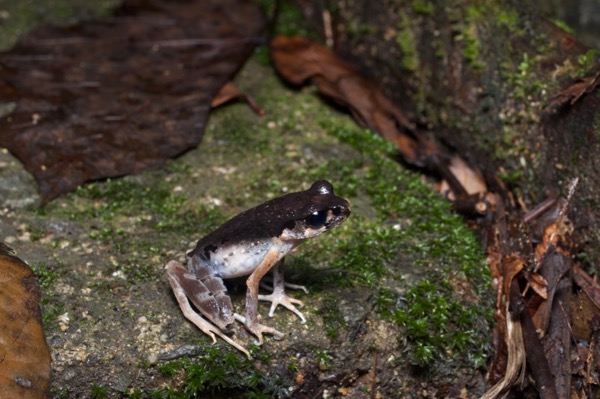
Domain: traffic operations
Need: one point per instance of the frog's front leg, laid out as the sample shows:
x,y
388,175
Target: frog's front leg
x,y
188,287
251,320
278,296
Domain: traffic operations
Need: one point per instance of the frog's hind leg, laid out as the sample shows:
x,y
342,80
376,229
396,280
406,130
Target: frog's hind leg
x,y
206,291
187,287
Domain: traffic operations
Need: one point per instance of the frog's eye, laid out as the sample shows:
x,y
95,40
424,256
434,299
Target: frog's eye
x,y
317,219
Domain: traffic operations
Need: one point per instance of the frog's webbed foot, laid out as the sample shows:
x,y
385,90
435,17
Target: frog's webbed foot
x,y
259,329
175,272
279,297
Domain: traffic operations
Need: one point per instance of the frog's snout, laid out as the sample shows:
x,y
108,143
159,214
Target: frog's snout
x,y
342,210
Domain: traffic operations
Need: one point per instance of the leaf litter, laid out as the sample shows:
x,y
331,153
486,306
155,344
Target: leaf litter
x,y
118,96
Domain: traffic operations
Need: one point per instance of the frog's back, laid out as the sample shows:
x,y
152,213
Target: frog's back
x,y
257,227
263,222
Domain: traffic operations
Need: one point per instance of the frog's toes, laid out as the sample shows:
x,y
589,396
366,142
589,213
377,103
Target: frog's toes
x,y
296,287
259,329
280,298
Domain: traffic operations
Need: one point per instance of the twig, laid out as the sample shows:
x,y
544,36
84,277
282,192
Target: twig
x,y
538,210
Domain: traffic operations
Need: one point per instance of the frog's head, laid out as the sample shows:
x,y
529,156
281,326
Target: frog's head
x,y
318,210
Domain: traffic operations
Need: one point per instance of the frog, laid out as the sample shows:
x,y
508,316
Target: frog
x,y
251,244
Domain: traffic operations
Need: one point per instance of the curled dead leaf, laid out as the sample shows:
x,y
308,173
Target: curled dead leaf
x,y
230,92
299,59
571,94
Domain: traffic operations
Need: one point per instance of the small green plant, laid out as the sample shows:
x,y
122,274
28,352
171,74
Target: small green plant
x,y
323,360
36,232
59,393
588,60
45,275
98,392
292,366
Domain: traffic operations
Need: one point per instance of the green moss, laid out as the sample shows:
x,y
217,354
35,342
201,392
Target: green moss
x,y
588,60
223,373
523,81
136,264
46,275
359,29
405,39
563,25
472,48
135,394
475,19
423,7
50,312
290,21
470,37
36,232
98,391
125,197
438,323
333,320
507,18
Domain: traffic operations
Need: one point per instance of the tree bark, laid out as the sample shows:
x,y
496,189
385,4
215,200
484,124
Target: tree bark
x,y
491,80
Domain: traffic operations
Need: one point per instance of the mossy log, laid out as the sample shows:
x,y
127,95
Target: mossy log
x,y
495,81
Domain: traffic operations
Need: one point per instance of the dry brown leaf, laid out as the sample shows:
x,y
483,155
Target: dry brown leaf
x,y
538,283
511,266
572,94
121,95
230,92
471,179
298,60
24,354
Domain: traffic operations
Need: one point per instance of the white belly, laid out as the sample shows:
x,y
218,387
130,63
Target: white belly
x,y
237,261
242,260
